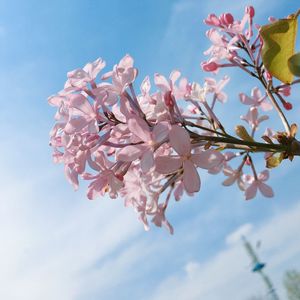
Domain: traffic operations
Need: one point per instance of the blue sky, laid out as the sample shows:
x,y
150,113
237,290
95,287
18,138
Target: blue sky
x,y
58,245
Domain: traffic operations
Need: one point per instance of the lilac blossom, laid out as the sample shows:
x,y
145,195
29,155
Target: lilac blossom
x,y
150,144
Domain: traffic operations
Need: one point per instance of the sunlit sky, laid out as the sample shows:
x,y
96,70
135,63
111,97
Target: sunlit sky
x,y
55,244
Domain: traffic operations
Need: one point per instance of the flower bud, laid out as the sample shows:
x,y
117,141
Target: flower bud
x,y
169,99
250,10
268,75
288,105
285,91
226,19
294,129
247,161
209,66
120,177
212,19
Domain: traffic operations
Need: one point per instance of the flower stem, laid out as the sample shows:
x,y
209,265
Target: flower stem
x,y
234,143
278,109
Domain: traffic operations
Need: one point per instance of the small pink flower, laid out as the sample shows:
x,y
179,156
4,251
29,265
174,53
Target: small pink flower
x,y
216,88
104,182
256,100
233,176
223,163
237,27
80,77
253,119
213,20
168,87
72,175
151,138
82,114
180,142
219,49
259,184
159,218
122,74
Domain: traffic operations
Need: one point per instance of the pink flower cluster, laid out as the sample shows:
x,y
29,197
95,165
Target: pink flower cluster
x,y
234,44
125,144
226,36
146,147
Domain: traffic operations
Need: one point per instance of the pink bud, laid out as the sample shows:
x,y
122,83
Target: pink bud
x,y
288,105
120,177
286,91
268,75
250,10
226,19
209,66
169,99
212,19
247,161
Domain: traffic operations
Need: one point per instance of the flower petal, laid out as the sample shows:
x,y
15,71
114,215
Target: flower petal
x,y
56,100
72,176
161,82
130,153
75,125
147,161
140,128
81,103
207,159
245,99
191,179
229,181
256,93
167,164
251,191
175,74
266,105
146,85
93,68
180,140
265,190
264,175
160,132
126,62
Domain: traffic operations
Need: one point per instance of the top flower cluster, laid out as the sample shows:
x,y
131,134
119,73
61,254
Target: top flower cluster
x,y
143,145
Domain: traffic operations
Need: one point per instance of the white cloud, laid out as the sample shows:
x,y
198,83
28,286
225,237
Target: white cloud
x,y
51,238
45,259
227,275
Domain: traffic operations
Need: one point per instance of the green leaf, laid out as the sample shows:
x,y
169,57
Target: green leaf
x,y
243,134
294,64
279,39
274,161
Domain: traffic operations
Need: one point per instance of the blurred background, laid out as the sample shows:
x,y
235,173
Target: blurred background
x,y
54,243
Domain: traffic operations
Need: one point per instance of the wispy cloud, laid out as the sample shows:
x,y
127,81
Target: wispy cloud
x,y
227,276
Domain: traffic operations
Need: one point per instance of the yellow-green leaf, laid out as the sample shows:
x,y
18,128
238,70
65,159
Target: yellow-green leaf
x,y
243,134
294,129
294,64
279,40
274,161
